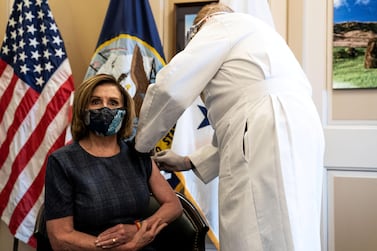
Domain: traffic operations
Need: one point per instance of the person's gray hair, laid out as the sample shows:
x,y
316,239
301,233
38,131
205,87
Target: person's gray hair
x,y
209,9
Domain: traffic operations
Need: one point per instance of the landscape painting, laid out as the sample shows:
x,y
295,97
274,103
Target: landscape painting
x,y
355,44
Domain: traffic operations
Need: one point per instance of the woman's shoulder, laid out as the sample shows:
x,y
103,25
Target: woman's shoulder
x,y
129,146
142,159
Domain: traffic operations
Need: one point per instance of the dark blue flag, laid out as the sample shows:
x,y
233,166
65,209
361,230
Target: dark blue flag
x,y
129,48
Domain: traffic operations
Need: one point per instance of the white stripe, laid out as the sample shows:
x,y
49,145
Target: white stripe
x,y
26,228
5,79
17,95
68,135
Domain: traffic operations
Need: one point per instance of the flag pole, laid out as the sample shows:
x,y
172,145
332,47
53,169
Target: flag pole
x,y
15,244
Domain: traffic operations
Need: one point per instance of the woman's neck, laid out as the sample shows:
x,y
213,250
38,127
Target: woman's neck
x,y
100,146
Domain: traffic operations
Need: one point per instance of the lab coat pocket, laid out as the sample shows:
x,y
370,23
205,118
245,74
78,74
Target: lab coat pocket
x,y
246,143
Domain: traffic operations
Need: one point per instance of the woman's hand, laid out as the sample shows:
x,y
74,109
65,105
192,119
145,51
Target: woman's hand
x,y
115,236
145,235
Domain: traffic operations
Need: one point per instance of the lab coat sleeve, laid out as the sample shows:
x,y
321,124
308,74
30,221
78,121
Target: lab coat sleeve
x,y
179,83
206,161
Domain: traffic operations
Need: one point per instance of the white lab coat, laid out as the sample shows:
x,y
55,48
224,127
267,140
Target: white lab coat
x,y
268,145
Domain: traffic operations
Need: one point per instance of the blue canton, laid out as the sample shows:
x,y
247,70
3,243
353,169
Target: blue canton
x,y
32,44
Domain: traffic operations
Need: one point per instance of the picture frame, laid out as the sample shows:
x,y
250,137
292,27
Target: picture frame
x,y
354,60
185,14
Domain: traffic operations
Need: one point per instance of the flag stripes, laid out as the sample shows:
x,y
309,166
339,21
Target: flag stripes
x,y
36,118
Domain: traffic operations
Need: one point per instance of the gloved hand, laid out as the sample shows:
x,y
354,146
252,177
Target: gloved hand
x,y
169,161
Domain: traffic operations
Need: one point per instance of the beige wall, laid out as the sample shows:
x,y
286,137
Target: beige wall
x,y
6,240
355,219
80,24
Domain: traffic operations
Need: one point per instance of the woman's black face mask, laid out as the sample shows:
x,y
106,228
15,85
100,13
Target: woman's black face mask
x,y
105,121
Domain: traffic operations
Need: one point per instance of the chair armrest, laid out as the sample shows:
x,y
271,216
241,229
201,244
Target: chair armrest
x,y
186,233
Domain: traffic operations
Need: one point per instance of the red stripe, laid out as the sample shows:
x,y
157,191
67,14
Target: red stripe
x,y
3,65
30,197
32,242
7,95
28,150
22,110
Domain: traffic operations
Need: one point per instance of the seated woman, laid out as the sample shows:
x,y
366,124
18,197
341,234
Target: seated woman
x,y
97,188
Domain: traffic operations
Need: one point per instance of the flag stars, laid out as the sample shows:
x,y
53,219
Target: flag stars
x,y
27,3
33,42
24,69
22,56
15,47
48,66
57,40
205,121
45,40
38,68
20,20
40,81
31,29
13,35
35,55
43,28
11,22
41,14
29,16
21,44
46,54
50,15
59,53
19,7
20,31
5,50
54,27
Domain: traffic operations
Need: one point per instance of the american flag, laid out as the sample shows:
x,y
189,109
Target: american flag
x,y
36,88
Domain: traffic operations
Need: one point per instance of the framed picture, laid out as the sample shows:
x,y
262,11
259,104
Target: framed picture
x,y
185,14
354,55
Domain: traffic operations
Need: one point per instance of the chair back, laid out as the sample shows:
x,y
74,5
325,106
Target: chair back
x,y
40,231
186,233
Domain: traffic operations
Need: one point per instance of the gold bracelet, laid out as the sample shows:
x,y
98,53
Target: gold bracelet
x,y
138,224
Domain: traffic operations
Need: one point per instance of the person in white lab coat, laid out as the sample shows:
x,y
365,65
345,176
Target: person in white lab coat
x,y
268,144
